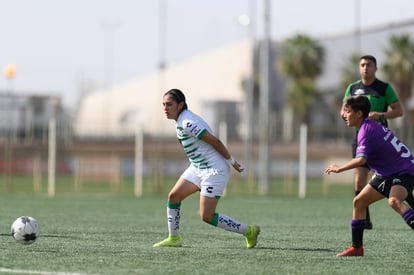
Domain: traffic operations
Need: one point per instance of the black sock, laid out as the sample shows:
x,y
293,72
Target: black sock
x,y
408,217
357,232
368,218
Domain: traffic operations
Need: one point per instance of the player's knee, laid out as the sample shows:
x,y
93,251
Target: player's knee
x,y
174,197
206,217
358,202
394,203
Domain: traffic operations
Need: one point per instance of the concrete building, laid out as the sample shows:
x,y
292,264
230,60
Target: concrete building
x,y
209,81
213,86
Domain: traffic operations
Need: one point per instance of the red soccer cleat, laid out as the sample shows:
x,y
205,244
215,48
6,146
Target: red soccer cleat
x,y
352,251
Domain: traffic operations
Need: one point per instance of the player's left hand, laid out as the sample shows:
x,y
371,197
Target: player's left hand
x,y
239,168
333,168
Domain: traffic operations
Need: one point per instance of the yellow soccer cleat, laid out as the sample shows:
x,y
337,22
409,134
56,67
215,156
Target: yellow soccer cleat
x,y
171,241
251,235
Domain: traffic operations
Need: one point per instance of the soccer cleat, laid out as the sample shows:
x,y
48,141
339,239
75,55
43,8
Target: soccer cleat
x,y
171,241
251,235
352,251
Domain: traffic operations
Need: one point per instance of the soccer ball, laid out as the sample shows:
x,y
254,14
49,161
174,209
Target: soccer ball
x,y
25,230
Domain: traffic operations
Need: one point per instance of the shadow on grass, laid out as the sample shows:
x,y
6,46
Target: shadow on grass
x,y
45,236
295,249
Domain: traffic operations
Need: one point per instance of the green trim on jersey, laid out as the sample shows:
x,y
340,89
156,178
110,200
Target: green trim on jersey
x,y
201,134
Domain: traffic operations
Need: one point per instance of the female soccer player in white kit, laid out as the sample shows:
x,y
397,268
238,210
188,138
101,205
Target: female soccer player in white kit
x,y
208,173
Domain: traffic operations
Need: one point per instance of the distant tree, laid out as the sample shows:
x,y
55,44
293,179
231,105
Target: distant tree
x,y
350,71
301,60
349,74
399,70
399,66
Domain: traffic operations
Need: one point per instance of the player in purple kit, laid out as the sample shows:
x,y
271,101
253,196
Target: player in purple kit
x,y
384,106
391,162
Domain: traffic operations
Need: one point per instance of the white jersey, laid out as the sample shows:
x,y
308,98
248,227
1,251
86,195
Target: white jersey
x,y
190,128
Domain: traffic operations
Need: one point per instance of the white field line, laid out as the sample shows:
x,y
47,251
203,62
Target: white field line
x,y
38,272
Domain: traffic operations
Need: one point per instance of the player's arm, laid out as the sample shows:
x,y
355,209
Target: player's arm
x,y
396,107
219,147
354,163
396,111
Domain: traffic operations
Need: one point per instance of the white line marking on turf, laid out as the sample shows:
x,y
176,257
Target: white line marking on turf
x,y
39,272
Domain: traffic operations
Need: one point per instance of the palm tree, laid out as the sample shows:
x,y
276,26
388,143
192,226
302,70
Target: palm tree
x,y
350,71
349,74
301,60
399,71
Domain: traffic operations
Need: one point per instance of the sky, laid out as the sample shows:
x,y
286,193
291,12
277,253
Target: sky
x,y
69,47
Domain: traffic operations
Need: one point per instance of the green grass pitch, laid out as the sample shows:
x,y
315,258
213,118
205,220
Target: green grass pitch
x,y
114,235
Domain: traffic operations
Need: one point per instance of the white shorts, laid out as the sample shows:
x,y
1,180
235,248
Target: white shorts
x,y
211,182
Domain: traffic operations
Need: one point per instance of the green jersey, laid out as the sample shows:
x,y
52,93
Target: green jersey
x,y
379,93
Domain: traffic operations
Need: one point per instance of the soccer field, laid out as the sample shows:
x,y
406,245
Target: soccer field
x,y
114,235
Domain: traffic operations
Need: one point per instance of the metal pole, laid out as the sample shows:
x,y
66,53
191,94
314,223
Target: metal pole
x,y
264,104
109,28
9,73
158,170
302,160
357,26
52,157
250,101
139,148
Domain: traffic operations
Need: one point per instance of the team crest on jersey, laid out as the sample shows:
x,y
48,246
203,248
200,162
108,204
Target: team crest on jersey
x,y
359,92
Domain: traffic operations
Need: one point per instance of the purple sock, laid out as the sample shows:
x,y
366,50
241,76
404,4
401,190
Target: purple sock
x,y
408,217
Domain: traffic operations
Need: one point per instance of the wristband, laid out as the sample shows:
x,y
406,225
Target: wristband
x,y
231,161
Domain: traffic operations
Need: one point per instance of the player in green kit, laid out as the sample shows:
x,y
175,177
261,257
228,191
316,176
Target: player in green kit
x,y
384,105
208,173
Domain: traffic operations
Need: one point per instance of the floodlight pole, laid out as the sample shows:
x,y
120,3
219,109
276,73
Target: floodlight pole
x,y
357,26
249,160
264,187
109,29
158,174
9,73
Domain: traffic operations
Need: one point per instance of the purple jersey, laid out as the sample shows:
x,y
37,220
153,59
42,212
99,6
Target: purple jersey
x,y
386,155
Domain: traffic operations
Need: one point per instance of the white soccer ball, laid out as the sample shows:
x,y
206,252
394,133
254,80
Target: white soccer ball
x,y
25,230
